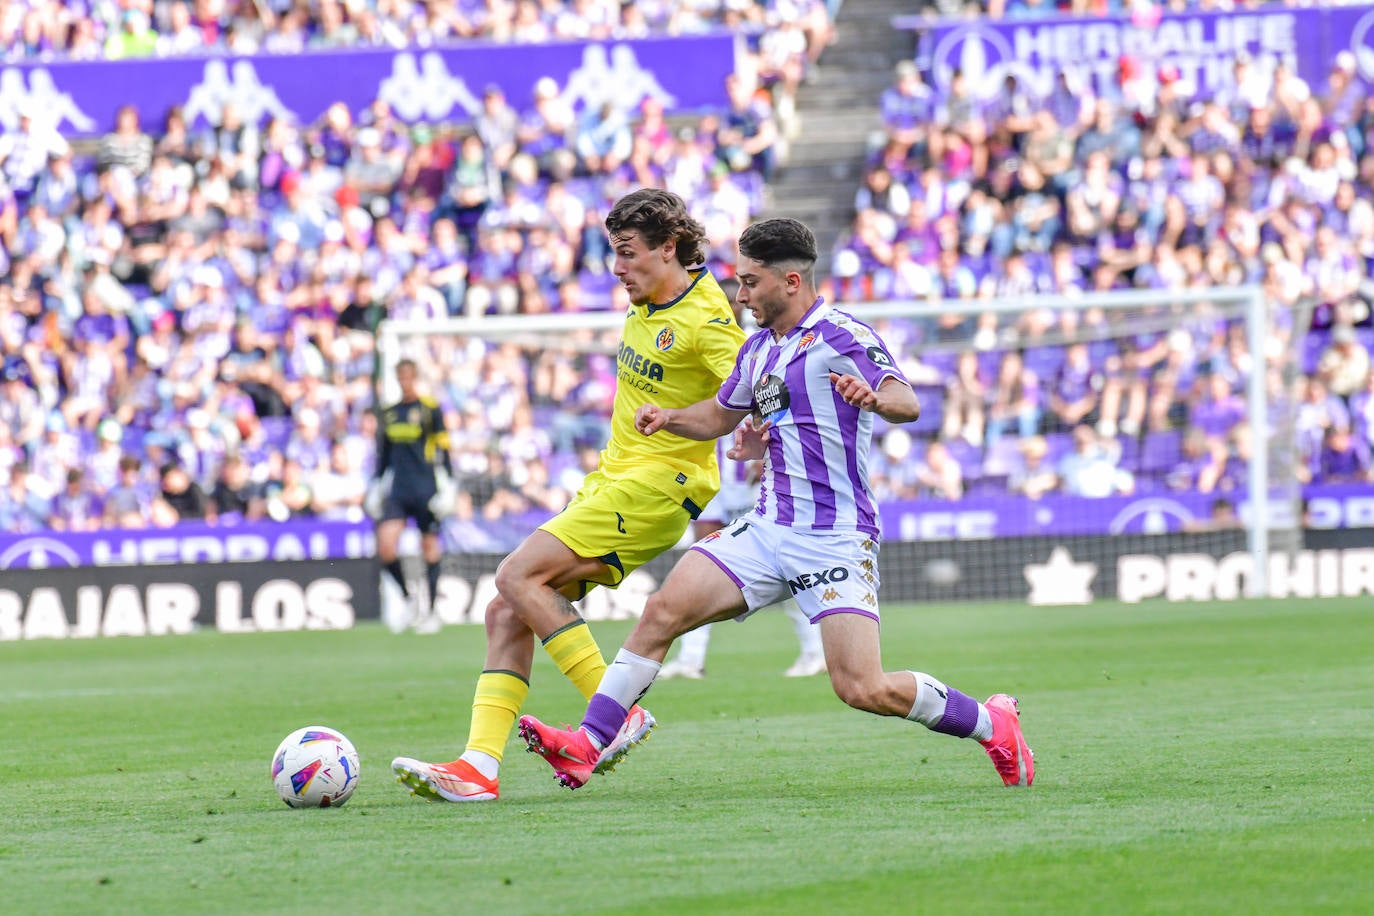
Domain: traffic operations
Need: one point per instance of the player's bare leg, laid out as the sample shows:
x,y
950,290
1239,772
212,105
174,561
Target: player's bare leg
x,y
530,580
854,655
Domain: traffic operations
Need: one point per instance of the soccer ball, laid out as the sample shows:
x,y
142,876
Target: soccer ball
x,y
315,767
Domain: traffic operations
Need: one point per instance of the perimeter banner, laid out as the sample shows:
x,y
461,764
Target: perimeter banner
x,y
685,73
181,598
1202,46
190,542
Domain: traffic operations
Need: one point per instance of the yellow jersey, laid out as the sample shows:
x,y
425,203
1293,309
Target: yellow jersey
x,y
672,355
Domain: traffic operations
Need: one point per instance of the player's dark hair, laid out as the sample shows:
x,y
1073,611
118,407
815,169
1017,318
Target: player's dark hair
x,y
407,363
659,216
781,244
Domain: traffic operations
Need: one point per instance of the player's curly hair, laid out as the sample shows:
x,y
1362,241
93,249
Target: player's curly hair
x,y
778,242
659,216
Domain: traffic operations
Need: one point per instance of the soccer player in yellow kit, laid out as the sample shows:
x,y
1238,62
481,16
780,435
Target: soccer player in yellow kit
x,y
679,344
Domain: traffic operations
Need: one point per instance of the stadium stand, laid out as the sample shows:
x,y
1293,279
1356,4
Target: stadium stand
x,y
203,299
186,315
1267,181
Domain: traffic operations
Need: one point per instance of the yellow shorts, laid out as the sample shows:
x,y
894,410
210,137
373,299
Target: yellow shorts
x,y
624,523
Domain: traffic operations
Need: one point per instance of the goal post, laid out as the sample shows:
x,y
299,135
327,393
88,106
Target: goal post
x,y
1224,331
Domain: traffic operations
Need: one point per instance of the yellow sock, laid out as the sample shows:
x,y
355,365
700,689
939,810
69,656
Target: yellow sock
x,y
496,703
577,655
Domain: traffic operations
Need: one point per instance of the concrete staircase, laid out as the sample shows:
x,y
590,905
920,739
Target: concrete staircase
x,y
838,111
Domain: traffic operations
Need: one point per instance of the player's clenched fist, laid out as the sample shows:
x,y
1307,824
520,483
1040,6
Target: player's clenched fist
x,y
649,418
855,391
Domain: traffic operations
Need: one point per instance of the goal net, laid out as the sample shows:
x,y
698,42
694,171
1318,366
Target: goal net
x,y
1068,448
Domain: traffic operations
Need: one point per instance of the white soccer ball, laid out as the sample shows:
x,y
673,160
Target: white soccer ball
x,y
315,767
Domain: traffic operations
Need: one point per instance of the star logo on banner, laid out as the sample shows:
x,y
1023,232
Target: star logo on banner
x,y
1061,580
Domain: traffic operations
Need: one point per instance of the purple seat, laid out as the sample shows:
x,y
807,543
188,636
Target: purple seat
x,y
989,361
1160,451
995,485
1001,455
1099,351
1130,451
1312,347
941,361
596,289
277,430
1044,361
970,457
932,400
1057,445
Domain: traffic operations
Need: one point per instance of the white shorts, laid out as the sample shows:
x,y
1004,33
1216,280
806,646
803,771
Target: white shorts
x,y
826,572
736,498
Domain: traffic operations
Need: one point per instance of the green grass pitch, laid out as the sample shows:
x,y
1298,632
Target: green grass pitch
x,y
1191,758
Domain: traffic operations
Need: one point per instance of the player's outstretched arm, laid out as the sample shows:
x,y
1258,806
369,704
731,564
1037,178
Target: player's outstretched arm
x,y
701,421
894,400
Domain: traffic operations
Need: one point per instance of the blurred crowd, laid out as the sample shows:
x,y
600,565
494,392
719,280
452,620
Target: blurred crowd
x,y
187,314
110,30
1141,184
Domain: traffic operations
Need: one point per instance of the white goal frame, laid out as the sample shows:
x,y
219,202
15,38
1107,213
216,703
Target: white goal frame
x,y
1250,299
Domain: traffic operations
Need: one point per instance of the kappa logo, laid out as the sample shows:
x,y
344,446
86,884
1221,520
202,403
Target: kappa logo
x,y
980,54
1362,45
867,563
665,339
613,77
220,86
40,99
425,89
38,553
870,600
829,595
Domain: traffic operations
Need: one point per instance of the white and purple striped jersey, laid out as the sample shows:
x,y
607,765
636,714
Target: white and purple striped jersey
x,y
815,473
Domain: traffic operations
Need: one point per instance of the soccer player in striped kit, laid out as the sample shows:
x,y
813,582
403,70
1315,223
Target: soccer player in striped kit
x,y
814,377
738,497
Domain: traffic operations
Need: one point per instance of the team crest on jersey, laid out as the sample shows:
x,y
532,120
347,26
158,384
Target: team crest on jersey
x,y
665,339
806,341
413,416
713,536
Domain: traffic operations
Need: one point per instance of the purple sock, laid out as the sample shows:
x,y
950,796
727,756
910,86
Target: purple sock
x,y
961,715
605,716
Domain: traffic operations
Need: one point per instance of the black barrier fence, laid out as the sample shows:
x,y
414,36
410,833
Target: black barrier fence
x,y
335,594
1201,566
181,598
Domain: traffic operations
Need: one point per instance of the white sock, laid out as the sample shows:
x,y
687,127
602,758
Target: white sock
x,y
808,634
628,677
931,693
692,645
983,730
483,763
